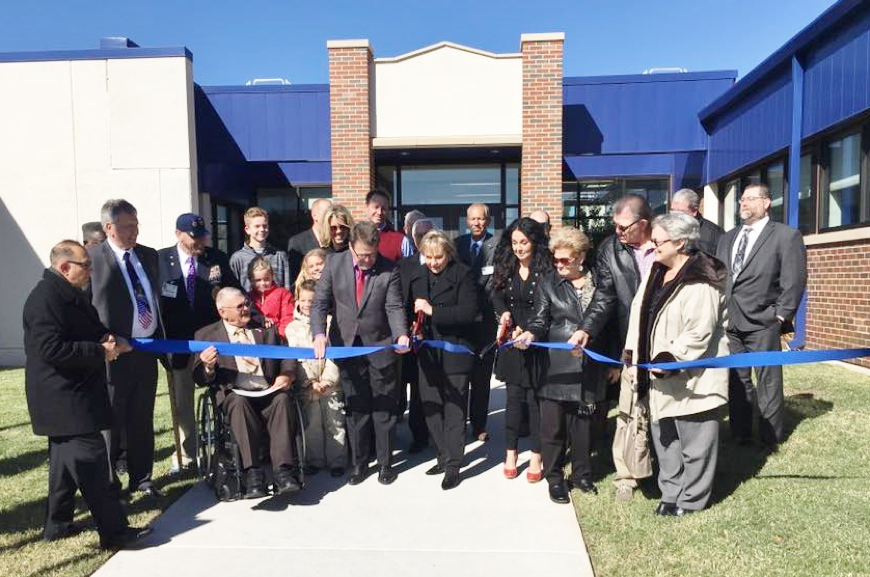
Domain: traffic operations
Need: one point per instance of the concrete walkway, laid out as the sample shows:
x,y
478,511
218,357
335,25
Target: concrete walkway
x,y
488,526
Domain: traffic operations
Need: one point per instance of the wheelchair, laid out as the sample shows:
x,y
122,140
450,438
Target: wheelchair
x,y
218,459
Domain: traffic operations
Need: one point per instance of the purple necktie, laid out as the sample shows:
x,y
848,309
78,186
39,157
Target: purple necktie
x,y
190,282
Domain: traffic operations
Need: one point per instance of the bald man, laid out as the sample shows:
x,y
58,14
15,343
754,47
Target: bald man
x,y
300,244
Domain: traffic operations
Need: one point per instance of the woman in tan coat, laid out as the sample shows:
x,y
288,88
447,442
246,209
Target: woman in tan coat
x,y
679,314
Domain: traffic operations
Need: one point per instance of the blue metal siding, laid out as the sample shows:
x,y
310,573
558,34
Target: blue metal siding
x,y
837,77
639,114
274,123
685,168
754,128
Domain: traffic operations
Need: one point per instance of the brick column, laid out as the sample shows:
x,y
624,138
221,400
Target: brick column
x,y
351,68
542,124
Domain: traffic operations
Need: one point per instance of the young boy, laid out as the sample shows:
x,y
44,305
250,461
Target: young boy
x,y
323,399
257,231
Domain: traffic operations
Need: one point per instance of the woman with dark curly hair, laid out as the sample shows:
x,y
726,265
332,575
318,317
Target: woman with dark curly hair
x,y
521,258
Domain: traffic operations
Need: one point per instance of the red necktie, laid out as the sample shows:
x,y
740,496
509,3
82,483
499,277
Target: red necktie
x,y
360,284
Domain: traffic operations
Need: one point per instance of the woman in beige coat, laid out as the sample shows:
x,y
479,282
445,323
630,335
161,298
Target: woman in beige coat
x,y
679,314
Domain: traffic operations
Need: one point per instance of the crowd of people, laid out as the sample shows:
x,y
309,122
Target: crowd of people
x,y
663,288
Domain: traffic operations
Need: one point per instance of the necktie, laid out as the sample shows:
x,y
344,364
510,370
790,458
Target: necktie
x,y
143,309
246,364
190,281
360,284
741,253
475,252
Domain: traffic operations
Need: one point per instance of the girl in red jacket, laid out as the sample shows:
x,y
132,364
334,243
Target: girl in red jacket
x,y
275,302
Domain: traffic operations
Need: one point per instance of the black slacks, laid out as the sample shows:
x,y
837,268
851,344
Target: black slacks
x,y
370,405
261,420
768,395
410,376
445,398
519,397
560,425
480,378
82,462
132,391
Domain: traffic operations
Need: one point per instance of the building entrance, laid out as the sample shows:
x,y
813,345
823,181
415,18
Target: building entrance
x,y
443,192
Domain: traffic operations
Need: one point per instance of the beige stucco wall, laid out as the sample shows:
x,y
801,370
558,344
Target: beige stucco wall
x,y
73,134
448,94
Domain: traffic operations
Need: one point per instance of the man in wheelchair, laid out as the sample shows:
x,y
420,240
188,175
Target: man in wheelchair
x,y
255,421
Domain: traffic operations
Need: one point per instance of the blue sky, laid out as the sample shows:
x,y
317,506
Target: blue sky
x,y
233,41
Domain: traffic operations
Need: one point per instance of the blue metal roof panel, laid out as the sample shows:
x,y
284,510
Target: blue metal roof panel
x,y
759,126
820,28
641,78
837,78
95,54
638,116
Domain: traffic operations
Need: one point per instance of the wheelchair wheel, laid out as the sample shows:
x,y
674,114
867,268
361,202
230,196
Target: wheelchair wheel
x,y
300,437
206,437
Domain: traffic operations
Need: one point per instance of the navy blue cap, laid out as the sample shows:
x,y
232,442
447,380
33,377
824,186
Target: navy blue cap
x,y
192,224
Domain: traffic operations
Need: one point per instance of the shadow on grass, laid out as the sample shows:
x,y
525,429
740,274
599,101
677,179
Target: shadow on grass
x,y
15,426
739,463
58,568
23,462
23,517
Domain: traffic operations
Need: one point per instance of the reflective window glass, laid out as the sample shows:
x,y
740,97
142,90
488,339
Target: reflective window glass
x,y
842,198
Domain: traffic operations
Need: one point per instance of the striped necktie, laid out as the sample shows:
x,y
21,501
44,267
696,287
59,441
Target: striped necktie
x,y
741,253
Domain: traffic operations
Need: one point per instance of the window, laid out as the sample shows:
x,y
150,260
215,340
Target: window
x,y
841,192
773,175
807,196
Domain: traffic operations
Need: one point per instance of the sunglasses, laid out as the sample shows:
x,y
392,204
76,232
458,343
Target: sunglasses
x,y
564,261
85,264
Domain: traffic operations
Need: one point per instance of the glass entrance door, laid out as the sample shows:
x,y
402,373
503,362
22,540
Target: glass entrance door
x,y
443,192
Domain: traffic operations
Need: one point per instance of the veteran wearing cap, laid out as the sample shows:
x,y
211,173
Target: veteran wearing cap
x,y
191,273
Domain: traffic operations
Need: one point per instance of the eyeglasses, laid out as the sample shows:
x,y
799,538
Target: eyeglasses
x,y
621,228
659,243
565,261
337,228
751,198
85,264
240,307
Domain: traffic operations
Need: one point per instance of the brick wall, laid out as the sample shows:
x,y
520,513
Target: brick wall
x,y
350,116
542,124
838,307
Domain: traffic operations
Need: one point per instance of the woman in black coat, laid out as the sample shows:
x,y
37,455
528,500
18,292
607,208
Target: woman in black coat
x,y
521,258
445,298
571,385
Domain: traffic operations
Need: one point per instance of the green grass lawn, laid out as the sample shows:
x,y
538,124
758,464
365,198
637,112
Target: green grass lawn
x,y
24,486
804,510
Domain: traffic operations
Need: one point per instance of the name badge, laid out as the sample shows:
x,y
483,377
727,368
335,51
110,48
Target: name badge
x,y
169,290
214,274
487,270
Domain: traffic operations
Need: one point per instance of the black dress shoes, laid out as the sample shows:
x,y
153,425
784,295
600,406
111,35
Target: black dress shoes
x,y
437,469
149,490
559,493
358,475
666,509
451,480
387,476
255,484
62,531
286,481
586,486
126,537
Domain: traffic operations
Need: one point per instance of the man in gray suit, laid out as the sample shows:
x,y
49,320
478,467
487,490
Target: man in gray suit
x,y
477,250
364,290
123,283
767,275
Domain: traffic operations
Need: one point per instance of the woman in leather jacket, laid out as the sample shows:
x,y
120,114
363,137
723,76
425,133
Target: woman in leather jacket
x,y
521,258
571,385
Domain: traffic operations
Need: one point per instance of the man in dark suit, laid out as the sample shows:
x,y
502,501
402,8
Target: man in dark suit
x,y
191,273
255,421
364,291
308,239
65,381
392,244
477,250
409,267
124,291
767,275
688,202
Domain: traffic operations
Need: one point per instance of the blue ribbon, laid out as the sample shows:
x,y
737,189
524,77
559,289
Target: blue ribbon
x,y
159,346
736,361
